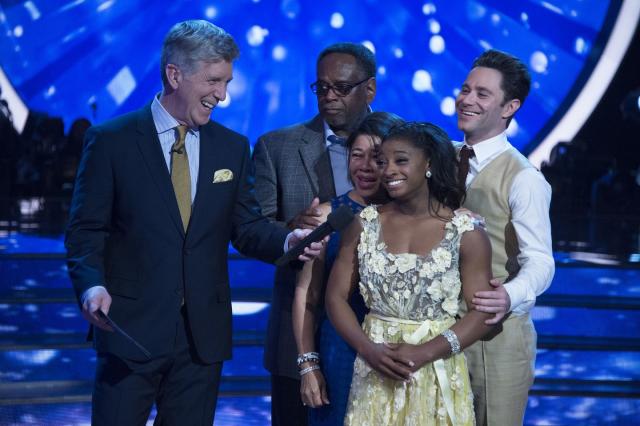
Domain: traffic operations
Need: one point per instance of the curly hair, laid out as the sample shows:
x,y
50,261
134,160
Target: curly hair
x,y
439,151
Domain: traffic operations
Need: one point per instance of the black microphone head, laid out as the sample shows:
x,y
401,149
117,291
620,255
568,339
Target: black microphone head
x,y
340,218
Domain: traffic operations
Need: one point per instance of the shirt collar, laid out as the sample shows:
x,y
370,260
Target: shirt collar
x,y
162,119
489,147
327,132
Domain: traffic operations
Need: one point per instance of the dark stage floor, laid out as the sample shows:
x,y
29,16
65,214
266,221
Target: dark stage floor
x,y
587,370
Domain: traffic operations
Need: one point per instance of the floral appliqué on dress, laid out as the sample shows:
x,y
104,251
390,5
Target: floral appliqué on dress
x,y
402,291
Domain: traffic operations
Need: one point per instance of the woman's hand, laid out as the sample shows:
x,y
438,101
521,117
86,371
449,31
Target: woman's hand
x,y
313,389
415,354
387,361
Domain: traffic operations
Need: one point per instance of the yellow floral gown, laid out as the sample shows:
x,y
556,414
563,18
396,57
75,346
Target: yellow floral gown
x,y
411,299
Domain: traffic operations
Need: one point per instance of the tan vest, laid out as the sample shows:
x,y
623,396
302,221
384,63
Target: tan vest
x,y
488,196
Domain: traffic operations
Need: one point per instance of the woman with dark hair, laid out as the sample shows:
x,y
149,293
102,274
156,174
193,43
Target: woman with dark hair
x,y
331,378
413,259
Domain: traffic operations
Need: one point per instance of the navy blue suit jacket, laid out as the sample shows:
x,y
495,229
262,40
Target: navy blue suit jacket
x,y
125,233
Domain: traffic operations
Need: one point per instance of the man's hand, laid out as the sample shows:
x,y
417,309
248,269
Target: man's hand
x,y
313,389
496,301
308,218
310,252
93,299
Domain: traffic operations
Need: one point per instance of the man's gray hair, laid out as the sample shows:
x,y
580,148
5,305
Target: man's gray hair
x,y
190,42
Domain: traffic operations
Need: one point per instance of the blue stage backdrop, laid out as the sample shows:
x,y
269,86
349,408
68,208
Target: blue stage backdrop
x,y
97,59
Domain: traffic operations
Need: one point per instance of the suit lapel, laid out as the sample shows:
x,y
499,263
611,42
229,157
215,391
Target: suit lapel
x,y
151,151
315,159
207,165
212,158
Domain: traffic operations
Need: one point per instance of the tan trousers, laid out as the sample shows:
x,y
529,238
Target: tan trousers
x,y
502,372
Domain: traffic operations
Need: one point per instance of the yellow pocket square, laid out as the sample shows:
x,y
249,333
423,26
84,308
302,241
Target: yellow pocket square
x,y
222,175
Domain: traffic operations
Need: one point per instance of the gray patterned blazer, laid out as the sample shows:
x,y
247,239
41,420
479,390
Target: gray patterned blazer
x,y
292,167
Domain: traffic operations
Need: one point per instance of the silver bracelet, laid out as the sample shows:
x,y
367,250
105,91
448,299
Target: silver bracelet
x,y
308,357
309,369
453,341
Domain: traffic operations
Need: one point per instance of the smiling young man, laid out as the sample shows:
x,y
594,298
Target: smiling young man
x,y
513,197
159,195
301,166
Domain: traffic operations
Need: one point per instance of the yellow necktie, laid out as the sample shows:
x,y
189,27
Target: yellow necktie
x,y
180,176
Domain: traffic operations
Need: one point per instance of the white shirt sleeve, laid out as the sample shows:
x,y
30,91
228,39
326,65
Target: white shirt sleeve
x,y
286,241
529,199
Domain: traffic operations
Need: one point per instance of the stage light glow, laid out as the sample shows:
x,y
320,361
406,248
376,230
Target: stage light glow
x,y
421,81
34,13
211,12
552,7
448,106
592,91
428,9
106,5
485,44
538,62
436,44
279,39
337,20
434,26
256,35
121,86
369,45
580,45
279,53
248,308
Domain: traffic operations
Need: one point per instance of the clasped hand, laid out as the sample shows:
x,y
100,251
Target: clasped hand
x,y
395,360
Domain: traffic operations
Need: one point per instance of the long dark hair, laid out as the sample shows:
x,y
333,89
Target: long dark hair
x,y
439,151
375,124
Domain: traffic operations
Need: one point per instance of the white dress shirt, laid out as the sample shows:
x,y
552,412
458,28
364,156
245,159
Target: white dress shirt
x,y
529,200
165,126
339,163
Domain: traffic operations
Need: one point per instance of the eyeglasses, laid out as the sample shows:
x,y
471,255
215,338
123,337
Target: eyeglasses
x,y
321,88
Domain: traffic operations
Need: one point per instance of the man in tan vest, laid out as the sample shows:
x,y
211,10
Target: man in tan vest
x,y
513,197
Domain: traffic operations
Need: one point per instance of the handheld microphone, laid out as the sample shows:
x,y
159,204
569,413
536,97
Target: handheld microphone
x,y
336,221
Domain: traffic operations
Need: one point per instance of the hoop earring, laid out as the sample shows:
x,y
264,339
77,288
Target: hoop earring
x,y
428,174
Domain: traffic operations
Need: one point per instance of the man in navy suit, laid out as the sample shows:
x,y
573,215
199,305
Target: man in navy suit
x,y
159,194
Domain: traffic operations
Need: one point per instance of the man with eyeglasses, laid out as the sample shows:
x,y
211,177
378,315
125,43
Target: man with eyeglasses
x,y
297,168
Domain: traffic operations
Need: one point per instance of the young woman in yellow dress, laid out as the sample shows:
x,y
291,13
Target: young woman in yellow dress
x,y
413,260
